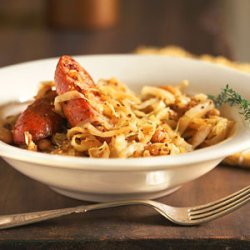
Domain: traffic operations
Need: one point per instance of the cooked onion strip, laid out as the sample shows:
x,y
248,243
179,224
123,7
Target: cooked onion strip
x,y
158,92
197,111
70,95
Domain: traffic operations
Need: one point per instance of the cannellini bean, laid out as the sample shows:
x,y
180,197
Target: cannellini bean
x,y
6,135
44,144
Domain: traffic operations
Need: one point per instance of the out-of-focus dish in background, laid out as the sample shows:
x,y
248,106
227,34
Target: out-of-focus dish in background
x,y
202,27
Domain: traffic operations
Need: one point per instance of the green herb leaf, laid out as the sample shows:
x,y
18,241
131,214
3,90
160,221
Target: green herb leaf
x,y
231,97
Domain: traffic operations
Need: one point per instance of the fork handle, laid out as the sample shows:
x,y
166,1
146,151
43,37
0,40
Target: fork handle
x,y
15,220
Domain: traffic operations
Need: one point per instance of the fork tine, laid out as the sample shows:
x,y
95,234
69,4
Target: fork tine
x,y
221,210
220,202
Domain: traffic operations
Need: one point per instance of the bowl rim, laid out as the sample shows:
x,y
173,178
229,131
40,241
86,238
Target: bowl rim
x,y
79,57
219,151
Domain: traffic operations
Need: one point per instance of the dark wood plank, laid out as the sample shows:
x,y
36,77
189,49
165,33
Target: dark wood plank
x,y
195,25
129,225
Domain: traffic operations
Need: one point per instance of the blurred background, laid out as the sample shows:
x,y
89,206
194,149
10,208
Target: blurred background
x,y
34,29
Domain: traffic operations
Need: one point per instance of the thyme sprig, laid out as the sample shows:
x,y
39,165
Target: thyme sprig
x,y
231,97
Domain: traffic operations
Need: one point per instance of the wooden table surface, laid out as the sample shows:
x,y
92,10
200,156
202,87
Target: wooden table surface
x,y
132,227
192,24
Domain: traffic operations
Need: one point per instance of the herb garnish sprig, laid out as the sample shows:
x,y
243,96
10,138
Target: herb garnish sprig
x,y
231,97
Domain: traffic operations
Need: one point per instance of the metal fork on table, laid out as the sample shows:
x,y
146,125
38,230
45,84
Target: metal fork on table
x,y
179,215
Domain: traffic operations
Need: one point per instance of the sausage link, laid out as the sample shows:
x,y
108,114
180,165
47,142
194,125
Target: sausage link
x,y
70,75
38,119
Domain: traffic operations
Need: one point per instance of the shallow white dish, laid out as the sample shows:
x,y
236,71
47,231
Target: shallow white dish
x,y
117,179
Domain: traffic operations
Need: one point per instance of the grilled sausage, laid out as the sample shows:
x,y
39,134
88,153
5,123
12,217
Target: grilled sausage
x,y
38,119
70,75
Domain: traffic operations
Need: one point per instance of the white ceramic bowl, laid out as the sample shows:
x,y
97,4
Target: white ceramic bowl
x,y
116,179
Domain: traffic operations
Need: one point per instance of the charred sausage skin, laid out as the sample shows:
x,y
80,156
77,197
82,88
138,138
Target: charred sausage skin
x,y
70,75
38,119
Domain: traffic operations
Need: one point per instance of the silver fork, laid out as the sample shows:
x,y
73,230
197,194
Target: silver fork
x,y
179,215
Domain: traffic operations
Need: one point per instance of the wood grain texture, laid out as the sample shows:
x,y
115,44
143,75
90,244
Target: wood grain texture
x,y
135,226
196,26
